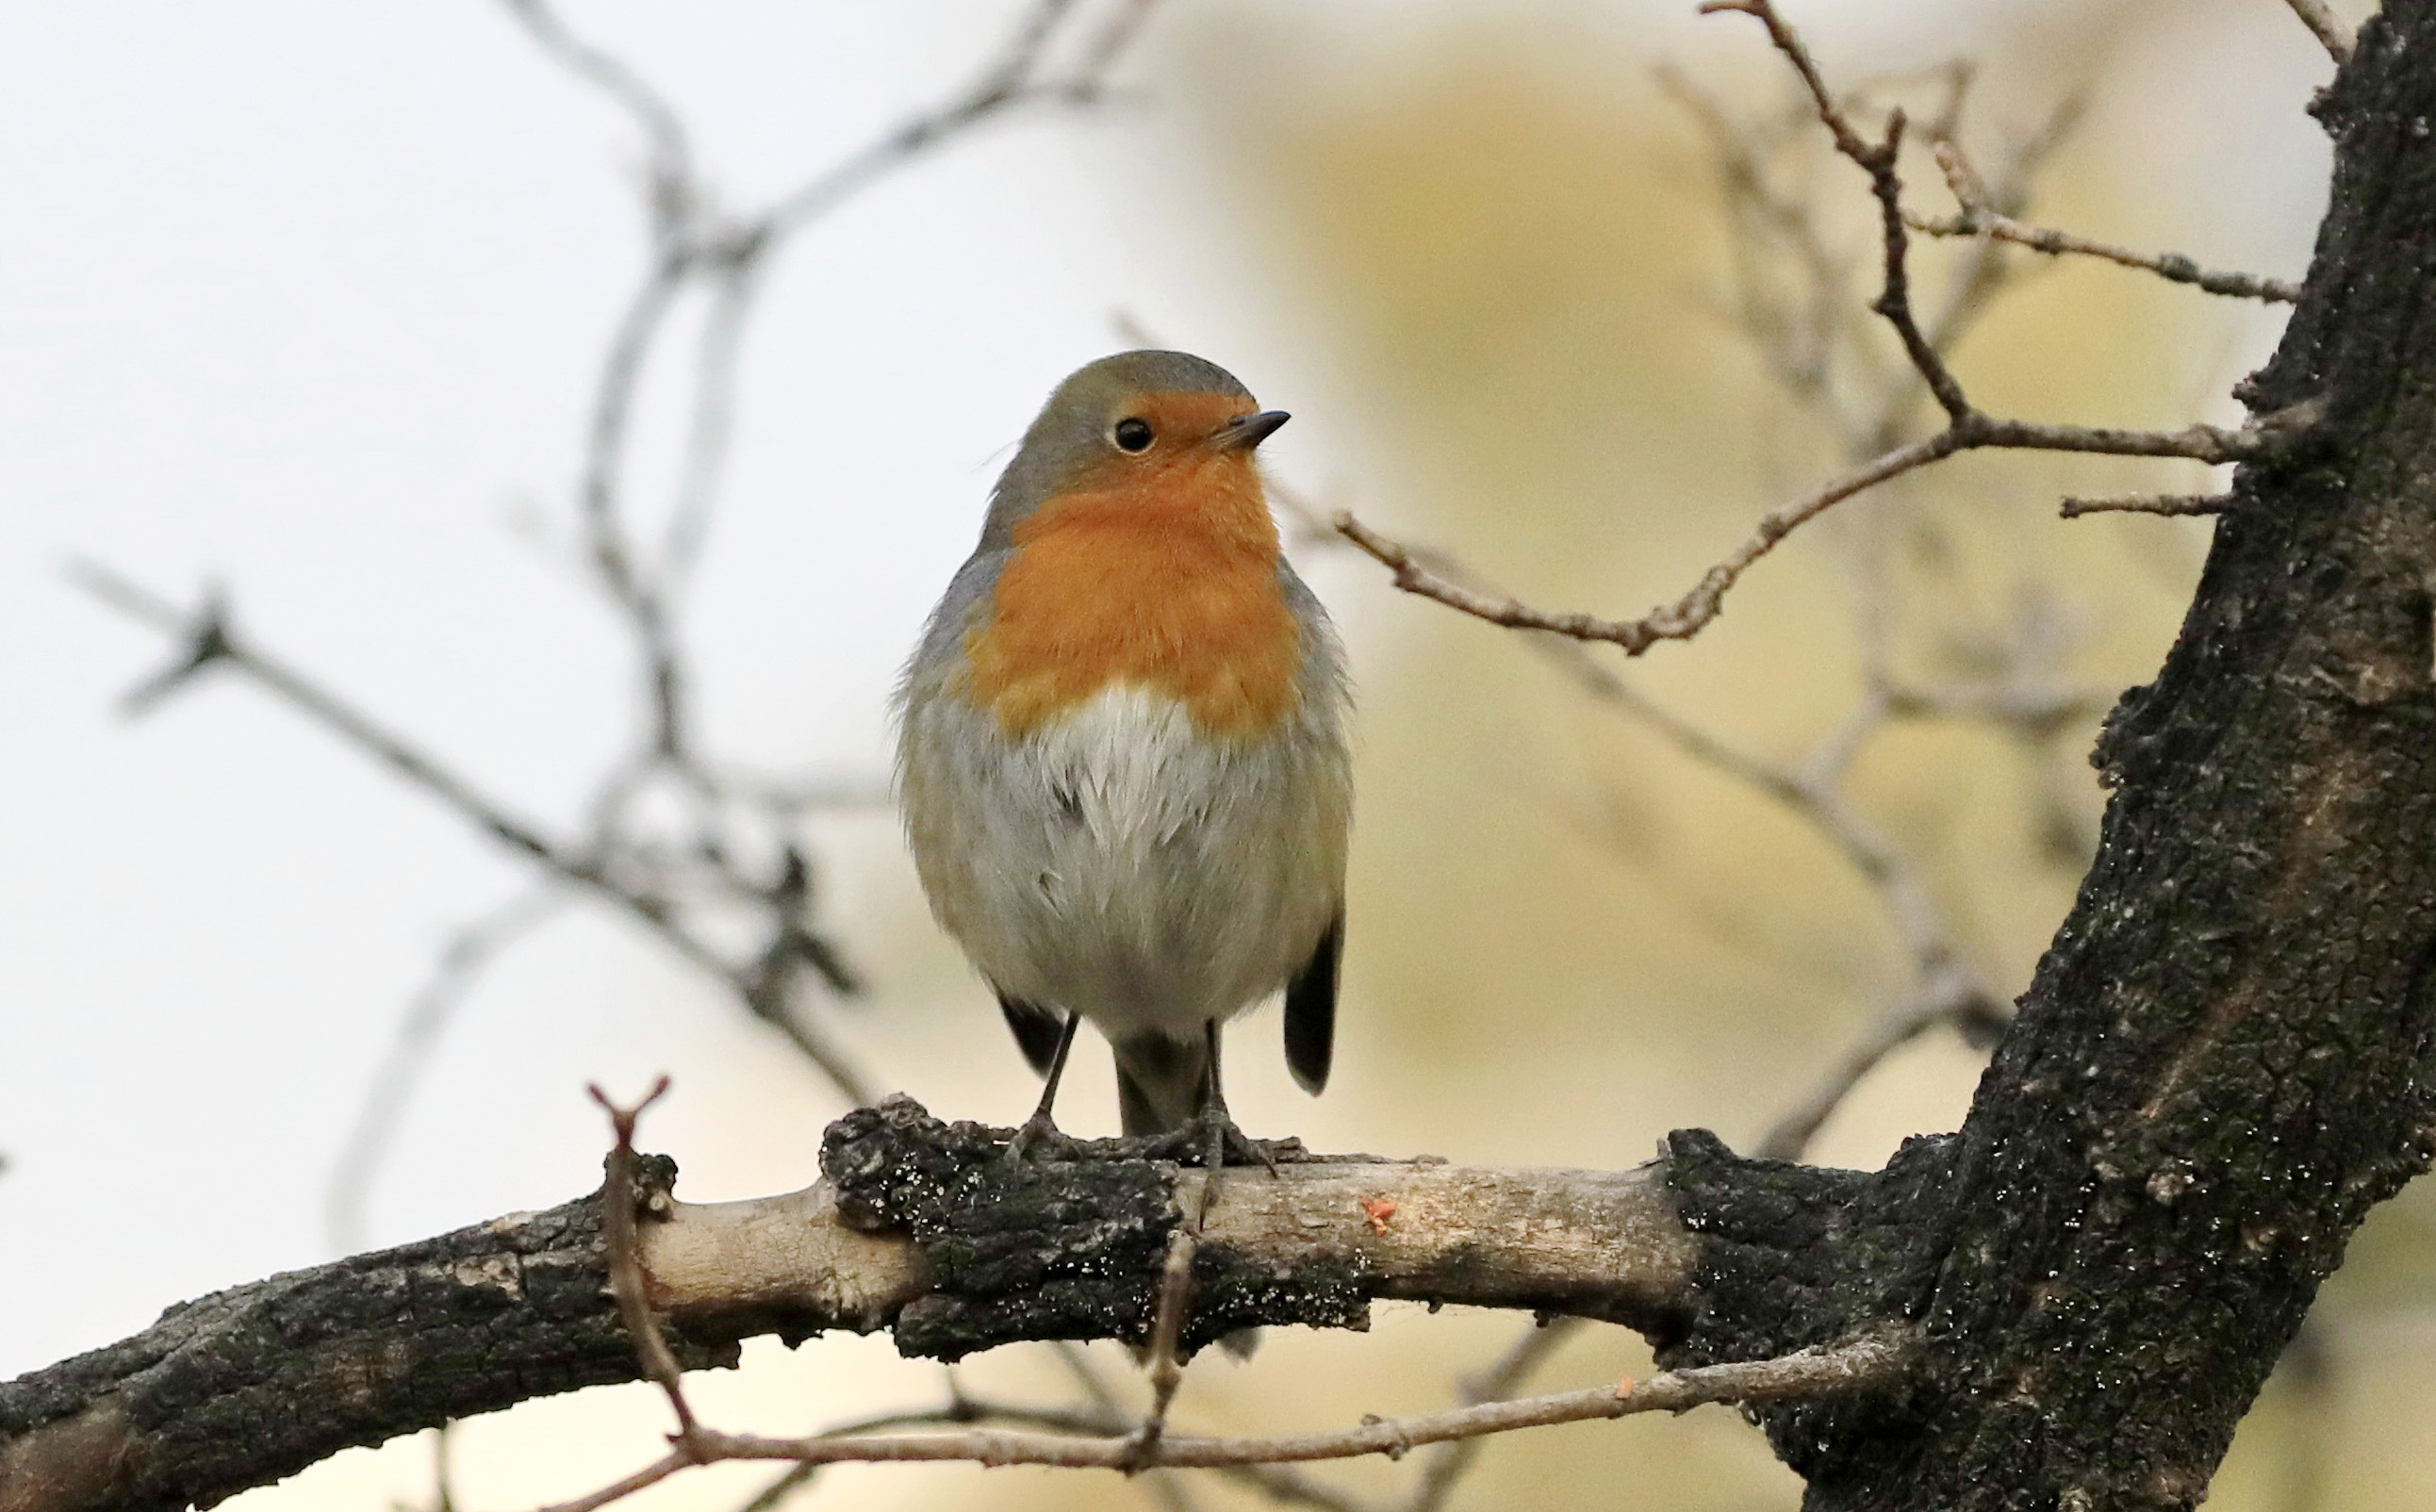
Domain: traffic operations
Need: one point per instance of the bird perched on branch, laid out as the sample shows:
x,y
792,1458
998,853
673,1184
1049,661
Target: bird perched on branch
x,y
1121,760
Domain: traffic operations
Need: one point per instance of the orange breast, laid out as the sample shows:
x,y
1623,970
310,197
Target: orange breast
x,y
1167,580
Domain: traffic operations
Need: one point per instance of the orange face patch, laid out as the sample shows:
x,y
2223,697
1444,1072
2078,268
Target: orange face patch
x,y
1159,570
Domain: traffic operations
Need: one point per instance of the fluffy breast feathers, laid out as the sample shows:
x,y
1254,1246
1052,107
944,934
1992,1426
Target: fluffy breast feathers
x,y
1166,579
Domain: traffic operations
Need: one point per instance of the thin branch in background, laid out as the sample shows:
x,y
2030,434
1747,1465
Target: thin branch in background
x,y
596,869
1873,1362
1502,1379
2073,508
1949,1000
443,1480
671,147
1979,217
711,425
2323,25
736,845
461,961
1692,613
209,640
1280,1483
2307,1372
1967,428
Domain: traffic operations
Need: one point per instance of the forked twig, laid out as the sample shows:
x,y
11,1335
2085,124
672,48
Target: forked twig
x,y
622,1197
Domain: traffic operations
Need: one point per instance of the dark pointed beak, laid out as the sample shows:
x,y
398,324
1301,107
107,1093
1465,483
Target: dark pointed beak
x,y
1244,432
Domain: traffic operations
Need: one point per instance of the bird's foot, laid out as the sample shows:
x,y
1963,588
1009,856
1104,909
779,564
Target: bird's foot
x,y
1039,1139
1213,1140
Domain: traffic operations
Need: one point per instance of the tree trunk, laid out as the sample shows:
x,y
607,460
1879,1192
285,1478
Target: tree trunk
x,y
2224,1058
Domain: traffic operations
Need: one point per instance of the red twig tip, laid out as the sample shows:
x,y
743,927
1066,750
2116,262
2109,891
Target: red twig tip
x,y
622,1120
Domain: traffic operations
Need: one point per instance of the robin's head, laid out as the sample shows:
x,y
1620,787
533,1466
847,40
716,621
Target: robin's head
x,y
1146,425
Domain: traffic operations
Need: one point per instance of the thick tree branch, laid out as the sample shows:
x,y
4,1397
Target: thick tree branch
x,y
920,1227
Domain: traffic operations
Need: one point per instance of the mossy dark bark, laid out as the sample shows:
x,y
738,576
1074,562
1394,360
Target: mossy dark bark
x,y
2225,1057
1069,1251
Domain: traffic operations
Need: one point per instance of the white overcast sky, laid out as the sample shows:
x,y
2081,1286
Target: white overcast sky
x,y
302,298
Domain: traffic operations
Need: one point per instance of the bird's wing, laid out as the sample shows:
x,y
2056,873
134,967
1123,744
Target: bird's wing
x,y
1311,1010
1036,1028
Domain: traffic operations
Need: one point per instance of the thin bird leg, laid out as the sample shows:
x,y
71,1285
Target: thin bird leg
x,y
1224,1138
1041,1125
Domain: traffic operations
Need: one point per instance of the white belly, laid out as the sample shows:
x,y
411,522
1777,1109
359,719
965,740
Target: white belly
x,y
1117,865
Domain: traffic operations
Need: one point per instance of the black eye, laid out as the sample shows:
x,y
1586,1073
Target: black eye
x,y
1132,434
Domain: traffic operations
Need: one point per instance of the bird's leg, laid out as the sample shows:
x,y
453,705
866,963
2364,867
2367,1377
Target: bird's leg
x,y
1224,1138
1041,1125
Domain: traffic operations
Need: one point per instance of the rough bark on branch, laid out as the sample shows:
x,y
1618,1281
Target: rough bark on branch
x,y
920,1227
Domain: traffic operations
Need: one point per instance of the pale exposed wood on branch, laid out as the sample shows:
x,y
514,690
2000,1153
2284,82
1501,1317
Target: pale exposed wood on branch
x,y
2323,25
523,1306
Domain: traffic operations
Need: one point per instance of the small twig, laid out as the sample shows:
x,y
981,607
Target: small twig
x,y
1166,1371
1009,80
462,961
2073,509
1689,614
2173,267
2335,37
421,770
1949,999
1279,1483
1979,217
671,149
1500,1379
1867,1363
621,1198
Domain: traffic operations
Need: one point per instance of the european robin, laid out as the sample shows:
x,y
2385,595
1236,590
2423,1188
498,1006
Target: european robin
x,y
1122,759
